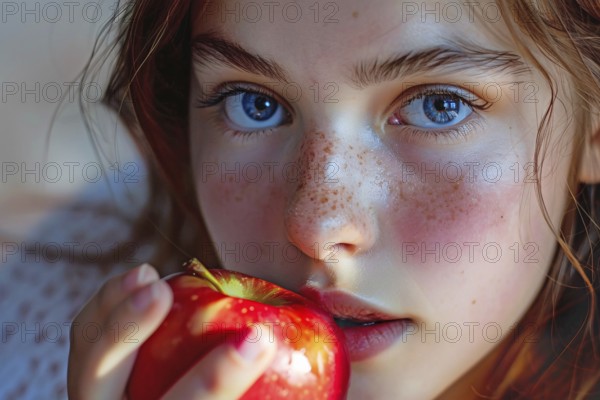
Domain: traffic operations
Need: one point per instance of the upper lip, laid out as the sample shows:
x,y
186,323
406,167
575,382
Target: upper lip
x,y
343,305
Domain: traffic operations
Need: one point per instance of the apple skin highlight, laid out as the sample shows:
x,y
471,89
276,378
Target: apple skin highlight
x,y
311,360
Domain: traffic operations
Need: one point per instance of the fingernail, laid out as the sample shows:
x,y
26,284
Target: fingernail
x,y
135,277
254,344
144,297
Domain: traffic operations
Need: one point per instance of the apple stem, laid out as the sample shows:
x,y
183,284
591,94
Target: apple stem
x,y
197,268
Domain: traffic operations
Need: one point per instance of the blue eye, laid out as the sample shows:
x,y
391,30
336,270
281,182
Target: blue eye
x,y
440,108
252,110
433,110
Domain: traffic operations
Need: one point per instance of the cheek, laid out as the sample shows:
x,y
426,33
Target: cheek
x,y
455,231
246,230
471,240
234,206
464,205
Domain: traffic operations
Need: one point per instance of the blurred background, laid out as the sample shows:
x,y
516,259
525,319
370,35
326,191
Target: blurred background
x,y
44,47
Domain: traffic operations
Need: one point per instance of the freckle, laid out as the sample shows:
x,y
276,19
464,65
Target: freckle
x,y
473,301
327,150
334,207
324,200
502,216
335,192
354,14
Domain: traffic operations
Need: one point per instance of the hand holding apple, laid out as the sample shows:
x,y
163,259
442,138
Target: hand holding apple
x,y
217,306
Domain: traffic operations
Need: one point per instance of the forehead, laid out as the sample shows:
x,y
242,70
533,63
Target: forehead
x,y
309,35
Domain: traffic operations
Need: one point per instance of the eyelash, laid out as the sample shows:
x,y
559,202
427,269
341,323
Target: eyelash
x,y
432,91
227,90
446,136
453,134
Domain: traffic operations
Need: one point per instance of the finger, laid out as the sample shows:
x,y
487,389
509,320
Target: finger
x,y
121,286
106,364
115,290
94,313
227,372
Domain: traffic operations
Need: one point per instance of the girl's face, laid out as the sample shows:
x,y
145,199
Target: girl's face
x,y
382,150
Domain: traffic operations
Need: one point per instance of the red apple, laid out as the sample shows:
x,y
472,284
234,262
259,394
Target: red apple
x,y
217,306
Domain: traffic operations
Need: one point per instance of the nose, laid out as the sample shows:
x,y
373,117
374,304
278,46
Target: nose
x,y
330,213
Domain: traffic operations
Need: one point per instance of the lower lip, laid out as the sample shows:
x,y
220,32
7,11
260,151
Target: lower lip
x,y
365,342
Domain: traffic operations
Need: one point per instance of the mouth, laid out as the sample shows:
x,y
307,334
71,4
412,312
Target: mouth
x,y
349,310
368,330
350,323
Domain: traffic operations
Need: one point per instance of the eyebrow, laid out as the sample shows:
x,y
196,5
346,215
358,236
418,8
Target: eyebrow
x,y
209,48
457,57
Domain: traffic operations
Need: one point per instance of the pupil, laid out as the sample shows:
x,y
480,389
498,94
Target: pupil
x,y
259,107
262,103
441,108
440,104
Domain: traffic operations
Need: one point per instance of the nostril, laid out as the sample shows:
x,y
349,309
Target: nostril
x,y
336,249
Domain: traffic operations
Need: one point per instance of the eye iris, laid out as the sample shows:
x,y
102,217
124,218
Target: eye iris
x,y
441,108
258,106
